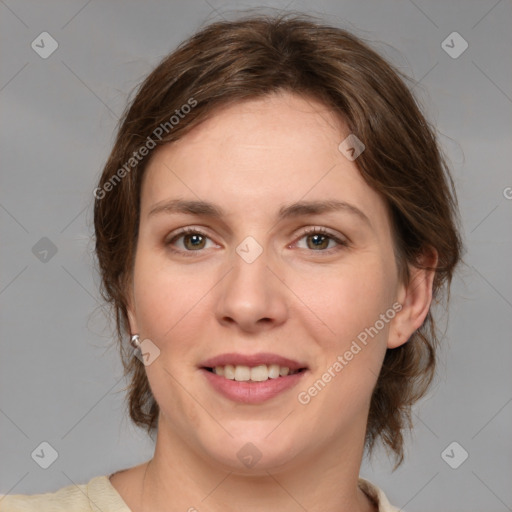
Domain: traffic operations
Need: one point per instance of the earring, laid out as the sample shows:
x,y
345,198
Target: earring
x,y
135,341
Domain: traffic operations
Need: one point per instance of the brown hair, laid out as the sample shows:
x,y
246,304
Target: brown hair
x,y
232,61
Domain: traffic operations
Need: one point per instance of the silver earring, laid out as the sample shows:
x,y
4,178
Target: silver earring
x,y
135,341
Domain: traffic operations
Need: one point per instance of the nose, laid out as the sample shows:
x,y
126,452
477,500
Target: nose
x,y
252,298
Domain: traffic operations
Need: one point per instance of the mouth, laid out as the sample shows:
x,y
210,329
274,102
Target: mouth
x,y
252,379
260,373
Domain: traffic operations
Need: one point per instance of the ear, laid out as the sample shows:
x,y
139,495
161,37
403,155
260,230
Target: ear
x,y
415,298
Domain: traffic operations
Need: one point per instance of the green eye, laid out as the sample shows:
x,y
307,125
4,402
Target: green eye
x,y
319,239
194,241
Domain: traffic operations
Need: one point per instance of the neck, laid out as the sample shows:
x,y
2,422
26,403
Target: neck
x,y
177,478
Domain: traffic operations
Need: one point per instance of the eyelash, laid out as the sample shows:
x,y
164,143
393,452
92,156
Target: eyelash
x,y
305,233
324,232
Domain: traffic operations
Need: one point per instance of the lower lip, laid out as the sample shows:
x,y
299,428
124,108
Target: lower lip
x,y
249,392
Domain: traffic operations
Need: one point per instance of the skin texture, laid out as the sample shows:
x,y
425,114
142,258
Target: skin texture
x,y
294,300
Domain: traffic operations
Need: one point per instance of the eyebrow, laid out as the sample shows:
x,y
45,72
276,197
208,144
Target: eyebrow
x,y
297,209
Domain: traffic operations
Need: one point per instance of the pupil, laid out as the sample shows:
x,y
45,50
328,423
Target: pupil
x,y
319,240
194,240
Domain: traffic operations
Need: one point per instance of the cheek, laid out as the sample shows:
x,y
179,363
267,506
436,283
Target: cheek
x,y
165,300
349,299
166,309
350,353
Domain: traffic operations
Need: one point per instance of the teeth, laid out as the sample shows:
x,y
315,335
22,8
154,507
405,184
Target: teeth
x,y
242,373
273,371
229,371
260,373
284,371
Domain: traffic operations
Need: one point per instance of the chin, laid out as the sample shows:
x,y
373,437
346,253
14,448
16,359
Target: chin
x,y
253,453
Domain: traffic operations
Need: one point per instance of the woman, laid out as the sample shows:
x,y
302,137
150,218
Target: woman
x,y
272,226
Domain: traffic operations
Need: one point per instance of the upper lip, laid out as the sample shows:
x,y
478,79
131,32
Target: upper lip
x,y
252,360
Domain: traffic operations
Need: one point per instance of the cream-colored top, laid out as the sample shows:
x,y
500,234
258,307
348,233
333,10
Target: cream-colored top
x,y
100,496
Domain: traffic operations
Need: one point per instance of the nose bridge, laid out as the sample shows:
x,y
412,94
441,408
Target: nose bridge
x,y
250,268
251,292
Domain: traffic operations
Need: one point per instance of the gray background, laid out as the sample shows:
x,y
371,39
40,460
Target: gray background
x,y
60,378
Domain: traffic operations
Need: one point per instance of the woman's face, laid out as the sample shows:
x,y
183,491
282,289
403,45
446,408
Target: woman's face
x,y
252,287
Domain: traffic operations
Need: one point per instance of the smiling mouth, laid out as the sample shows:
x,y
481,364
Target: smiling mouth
x,y
259,373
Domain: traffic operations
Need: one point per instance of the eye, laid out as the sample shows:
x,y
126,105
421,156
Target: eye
x,y
189,240
319,239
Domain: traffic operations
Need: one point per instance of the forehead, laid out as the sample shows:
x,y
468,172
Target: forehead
x,y
252,154
260,121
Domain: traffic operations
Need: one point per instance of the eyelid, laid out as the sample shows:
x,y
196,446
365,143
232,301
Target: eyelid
x,y
323,231
172,237
341,240
187,230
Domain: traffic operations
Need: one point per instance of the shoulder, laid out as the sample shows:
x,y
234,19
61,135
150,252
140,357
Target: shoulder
x,y
97,495
378,497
